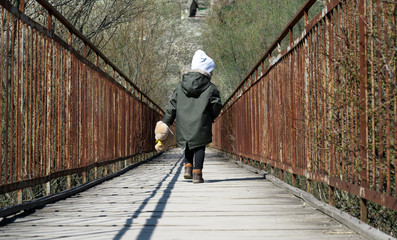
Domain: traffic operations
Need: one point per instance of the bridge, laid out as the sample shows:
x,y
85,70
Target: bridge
x,y
310,129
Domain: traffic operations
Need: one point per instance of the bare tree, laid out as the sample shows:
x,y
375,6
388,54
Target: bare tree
x,y
93,18
142,48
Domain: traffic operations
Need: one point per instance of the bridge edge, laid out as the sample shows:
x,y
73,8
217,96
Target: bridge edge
x,y
355,224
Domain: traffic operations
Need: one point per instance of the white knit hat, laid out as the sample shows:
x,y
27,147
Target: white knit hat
x,y
202,61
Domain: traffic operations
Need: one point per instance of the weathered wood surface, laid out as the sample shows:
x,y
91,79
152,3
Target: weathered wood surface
x,y
153,201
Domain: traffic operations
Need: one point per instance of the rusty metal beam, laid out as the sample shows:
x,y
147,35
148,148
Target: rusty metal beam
x,y
316,105
61,113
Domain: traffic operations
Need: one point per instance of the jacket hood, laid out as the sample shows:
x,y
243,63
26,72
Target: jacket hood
x,y
195,82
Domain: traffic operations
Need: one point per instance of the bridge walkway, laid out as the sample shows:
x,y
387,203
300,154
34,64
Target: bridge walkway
x,y
154,201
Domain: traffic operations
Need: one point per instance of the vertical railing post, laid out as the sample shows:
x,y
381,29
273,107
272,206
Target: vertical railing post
x,y
292,82
48,98
389,113
2,13
95,121
363,103
105,171
10,100
281,170
19,110
84,102
372,53
116,130
306,100
68,112
330,49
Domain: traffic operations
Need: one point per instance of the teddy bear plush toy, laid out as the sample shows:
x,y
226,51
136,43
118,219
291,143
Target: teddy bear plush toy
x,y
164,136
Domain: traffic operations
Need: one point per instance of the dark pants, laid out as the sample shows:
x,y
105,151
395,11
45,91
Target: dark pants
x,y
197,154
192,12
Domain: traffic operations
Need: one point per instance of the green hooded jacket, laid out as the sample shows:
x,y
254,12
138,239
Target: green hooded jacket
x,y
194,106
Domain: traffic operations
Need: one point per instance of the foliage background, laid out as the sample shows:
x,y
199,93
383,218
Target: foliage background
x,y
237,35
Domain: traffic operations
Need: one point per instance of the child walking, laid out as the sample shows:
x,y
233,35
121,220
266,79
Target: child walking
x,y
194,106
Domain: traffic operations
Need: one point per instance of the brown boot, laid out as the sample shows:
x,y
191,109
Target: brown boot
x,y
188,171
197,176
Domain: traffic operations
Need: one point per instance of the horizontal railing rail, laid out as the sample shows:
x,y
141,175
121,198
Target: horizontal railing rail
x,y
61,114
325,107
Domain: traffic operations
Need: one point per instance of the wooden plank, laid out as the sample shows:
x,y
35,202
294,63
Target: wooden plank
x,y
154,201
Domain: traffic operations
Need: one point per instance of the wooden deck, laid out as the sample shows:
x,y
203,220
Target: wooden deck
x,y
153,201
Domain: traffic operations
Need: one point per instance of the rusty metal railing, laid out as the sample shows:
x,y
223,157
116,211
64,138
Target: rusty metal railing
x,y
325,107
62,114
